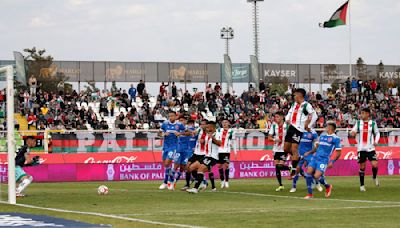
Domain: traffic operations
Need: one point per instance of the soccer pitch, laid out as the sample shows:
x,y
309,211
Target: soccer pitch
x,y
251,203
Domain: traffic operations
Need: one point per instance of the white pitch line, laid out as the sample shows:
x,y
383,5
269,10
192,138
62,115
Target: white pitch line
x,y
105,216
301,198
253,210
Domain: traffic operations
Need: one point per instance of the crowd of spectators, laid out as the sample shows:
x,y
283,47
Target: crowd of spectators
x,y
250,110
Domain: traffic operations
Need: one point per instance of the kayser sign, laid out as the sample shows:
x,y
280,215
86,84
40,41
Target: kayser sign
x,y
349,153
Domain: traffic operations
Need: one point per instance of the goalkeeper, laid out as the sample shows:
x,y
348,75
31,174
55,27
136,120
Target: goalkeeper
x,y
22,159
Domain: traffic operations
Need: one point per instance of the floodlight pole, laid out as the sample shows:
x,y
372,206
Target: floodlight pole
x,y
9,70
227,34
256,27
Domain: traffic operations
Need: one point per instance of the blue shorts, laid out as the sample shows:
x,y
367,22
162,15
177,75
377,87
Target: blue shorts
x,y
181,158
305,160
168,155
318,165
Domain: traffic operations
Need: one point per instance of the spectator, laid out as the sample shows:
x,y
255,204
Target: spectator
x,y
174,90
354,86
140,88
32,85
132,93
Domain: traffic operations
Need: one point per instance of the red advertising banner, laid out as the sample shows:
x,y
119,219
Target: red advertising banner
x,y
349,153
155,171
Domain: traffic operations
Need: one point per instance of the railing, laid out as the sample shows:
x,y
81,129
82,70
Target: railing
x,y
78,141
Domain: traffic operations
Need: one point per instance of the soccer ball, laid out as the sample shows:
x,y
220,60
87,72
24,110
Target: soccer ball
x,y
102,190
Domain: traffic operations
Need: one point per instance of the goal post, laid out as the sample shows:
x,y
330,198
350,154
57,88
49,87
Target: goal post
x,y
9,72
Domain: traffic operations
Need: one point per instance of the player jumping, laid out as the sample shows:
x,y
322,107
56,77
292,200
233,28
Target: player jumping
x,y
213,142
170,130
277,134
368,138
301,117
225,153
21,160
323,150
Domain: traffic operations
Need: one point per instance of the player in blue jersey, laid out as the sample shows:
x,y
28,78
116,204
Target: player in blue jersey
x,y
306,145
323,150
170,130
182,154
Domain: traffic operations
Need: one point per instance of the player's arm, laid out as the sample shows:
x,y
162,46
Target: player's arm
x,y
216,141
377,135
338,149
312,151
271,134
163,130
312,117
353,131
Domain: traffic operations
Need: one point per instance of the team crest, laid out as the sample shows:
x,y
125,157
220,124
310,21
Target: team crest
x,y
309,136
329,139
177,127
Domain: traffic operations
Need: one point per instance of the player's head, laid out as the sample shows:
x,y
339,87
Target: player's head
x,y
30,141
330,127
226,124
172,116
211,126
299,95
203,125
365,114
190,122
182,119
279,116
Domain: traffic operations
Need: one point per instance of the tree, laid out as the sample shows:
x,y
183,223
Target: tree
x,y
42,67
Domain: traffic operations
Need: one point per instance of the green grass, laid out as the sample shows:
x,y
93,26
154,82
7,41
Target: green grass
x,y
251,203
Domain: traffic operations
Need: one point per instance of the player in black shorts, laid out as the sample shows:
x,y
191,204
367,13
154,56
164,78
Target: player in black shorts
x,y
368,138
225,153
301,117
277,135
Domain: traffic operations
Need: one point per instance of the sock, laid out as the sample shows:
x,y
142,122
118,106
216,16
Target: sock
x,y
211,176
227,174
322,181
309,180
362,174
172,175
284,167
179,174
200,178
221,174
374,172
295,181
316,181
301,172
24,184
188,176
166,174
194,174
294,166
278,174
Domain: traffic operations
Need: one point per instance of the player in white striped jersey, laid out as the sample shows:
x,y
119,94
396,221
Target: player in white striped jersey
x,y
368,138
198,153
301,117
225,152
277,134
213,142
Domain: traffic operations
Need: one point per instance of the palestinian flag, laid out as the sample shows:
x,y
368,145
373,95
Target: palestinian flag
x,y
338,18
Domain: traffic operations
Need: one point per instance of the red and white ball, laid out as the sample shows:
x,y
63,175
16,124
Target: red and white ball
x,y
102,190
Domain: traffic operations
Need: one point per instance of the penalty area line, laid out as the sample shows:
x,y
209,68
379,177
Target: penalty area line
x,y
301,198
103,215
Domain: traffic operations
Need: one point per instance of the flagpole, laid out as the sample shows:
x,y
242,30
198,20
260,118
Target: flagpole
x,y
350,68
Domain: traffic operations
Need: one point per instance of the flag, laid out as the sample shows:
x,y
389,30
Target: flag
x,y
254,71
20,68
228,72
338,18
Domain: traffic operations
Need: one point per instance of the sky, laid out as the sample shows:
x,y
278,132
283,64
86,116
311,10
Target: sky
x,y
189,30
